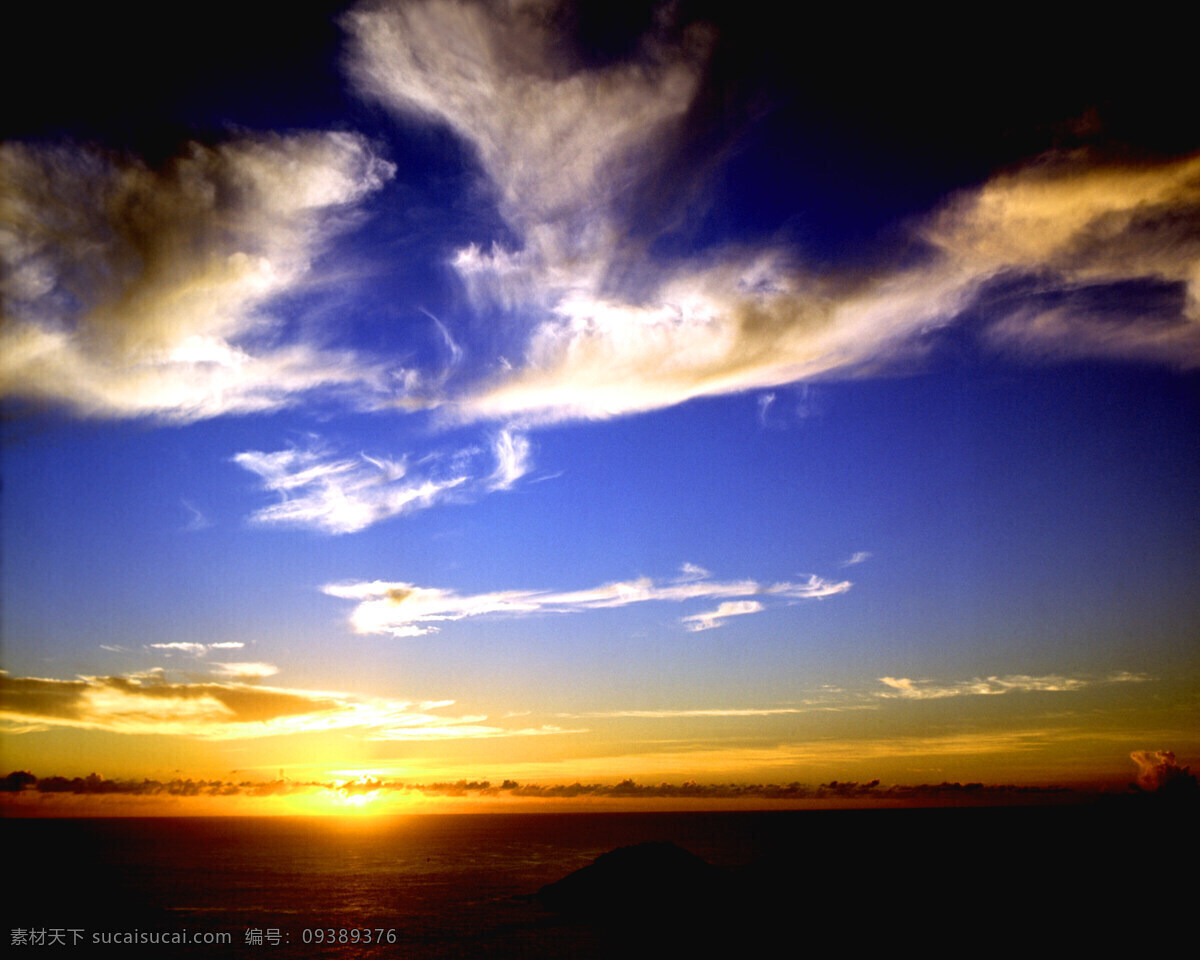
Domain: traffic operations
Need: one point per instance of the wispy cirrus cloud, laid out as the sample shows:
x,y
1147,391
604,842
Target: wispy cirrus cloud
x,y
245,670
906,688
198,520
133,291
512,460
697,712
321,491
557,141
602,328
229,710
407,610
195,649
715,618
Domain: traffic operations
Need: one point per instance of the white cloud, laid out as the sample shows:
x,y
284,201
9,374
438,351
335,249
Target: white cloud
x,y
406,610
906,688
553,139
760,321
196,649
320,491
339,495
512,460
715,618
859,556
131,291
764,406
609,331
245,670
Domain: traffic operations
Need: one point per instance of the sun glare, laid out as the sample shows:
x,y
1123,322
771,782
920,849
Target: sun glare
x,y
357,796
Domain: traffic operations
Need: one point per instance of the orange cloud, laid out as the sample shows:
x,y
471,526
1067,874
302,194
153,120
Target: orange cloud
x,y
148,704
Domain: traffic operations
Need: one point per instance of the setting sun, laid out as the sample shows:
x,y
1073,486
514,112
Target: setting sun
x,y
357,796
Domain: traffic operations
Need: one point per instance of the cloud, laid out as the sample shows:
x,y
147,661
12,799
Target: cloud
x,y
703,756
27,785
131,291
339,495
860,556
700,712
245,670
455,351
715,618
557,142
196,649
198,520
765,400
512,460
228,710
1126,676
463,729
691,571
139,291
1083,234
406,610
321,491
1158,770
604,328
758,319
905,688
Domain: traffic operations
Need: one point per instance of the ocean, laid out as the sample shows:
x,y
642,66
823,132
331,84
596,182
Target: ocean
x,y
464,885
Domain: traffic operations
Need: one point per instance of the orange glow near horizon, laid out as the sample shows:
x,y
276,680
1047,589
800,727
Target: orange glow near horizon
x,y
359,796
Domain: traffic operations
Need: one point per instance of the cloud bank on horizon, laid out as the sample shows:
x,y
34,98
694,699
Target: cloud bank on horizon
x,y
133,291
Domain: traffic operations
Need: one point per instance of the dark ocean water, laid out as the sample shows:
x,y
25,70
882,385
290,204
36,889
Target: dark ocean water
x,y
462,885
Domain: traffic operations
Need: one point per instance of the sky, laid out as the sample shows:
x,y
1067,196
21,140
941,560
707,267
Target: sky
x,y
556,393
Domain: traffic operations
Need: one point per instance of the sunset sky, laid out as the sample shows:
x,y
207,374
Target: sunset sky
x,y
579,392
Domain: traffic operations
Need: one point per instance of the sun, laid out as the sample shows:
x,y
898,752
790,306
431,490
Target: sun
x,y
359,795
356,797
359,802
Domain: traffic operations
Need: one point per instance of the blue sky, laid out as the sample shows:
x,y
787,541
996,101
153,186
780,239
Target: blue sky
x,y
563,390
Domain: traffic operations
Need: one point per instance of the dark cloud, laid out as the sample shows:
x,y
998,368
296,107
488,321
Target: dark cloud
x,y
34,698
22,781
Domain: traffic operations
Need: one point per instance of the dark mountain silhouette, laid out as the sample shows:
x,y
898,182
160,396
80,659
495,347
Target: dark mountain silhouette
x,y
646,878
1063,876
